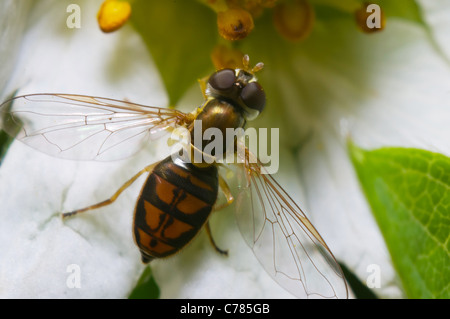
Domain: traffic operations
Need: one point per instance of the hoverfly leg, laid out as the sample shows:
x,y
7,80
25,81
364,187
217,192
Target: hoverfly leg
x,y
229,197
111,200
213,243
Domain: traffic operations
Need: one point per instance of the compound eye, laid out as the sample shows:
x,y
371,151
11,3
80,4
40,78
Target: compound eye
x,y
222,79
253,96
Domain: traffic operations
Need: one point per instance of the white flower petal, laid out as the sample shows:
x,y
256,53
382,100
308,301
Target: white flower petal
x,y
12,23
435,15
394,96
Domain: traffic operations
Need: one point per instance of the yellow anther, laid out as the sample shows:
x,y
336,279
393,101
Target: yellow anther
x,y
294,20
113,14
234,24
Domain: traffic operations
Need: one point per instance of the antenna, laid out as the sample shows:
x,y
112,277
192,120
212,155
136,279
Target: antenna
x,y
246,64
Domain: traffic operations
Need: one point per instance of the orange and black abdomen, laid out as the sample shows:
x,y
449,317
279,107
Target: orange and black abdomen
x,y
174,204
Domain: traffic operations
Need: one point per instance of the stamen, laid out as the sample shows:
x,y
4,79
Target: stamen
x,y
294,20
234,24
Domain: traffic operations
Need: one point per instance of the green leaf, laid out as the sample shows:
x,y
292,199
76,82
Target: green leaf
x,y
146,287
409,193
180,36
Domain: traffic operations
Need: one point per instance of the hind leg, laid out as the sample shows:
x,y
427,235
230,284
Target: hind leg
x,y
227,192
111,200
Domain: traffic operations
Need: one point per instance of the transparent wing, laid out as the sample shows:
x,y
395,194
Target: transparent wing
x,y
283,239
85,127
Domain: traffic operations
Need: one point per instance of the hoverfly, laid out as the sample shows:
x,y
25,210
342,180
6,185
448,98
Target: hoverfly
x,y
178,196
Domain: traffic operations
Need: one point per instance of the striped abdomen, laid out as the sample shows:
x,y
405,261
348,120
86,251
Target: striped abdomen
x,y
174,204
